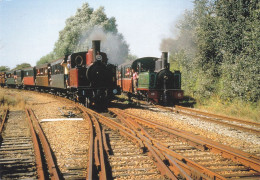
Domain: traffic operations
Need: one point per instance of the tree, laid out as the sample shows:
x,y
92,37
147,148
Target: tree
x,y
22,66
4,68
46,59
87,25
208,60
183,50
239,43
217,49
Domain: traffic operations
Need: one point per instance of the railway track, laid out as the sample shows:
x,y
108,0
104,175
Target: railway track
x,y
17,157
113,156
72,170
208,158
153,152
127,161
234,123
124,146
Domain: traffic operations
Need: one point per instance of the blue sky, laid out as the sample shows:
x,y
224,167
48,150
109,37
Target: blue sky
x,y
29,28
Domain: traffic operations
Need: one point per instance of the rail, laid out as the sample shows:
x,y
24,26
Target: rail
x,y
3,120
97,143
174,158
209,117
46,148
231,119
236,155
132,136
37,152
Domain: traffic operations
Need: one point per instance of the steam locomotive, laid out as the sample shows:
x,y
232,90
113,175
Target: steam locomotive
x,y
87,77
156,82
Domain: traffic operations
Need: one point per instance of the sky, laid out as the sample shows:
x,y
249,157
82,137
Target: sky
x,y
30,28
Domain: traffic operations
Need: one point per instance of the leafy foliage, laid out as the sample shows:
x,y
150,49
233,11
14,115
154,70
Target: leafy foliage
x,y
22,66
87,25
217,49
45,59
4,68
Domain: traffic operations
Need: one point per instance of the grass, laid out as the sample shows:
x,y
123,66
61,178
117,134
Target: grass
x,y
11,100
236,108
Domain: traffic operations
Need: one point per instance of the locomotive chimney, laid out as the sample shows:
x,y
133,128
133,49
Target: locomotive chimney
x,y
96,48
164,60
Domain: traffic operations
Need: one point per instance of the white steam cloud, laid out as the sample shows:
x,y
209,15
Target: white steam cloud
x,y
111,43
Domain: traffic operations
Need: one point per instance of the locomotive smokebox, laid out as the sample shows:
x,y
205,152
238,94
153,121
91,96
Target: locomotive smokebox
x,y
96,48
165,60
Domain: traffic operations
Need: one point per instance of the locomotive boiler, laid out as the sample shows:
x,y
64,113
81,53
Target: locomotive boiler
x,y
92,79
156,82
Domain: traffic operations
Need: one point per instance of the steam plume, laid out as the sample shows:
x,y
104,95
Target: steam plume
x,y
111,43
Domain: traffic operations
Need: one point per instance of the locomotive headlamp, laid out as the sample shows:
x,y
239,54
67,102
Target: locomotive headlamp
x,y
98,57
115,91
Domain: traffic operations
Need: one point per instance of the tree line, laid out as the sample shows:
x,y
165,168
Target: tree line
x,y
218,49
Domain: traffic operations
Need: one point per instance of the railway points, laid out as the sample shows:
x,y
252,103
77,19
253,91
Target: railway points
x,y
116,145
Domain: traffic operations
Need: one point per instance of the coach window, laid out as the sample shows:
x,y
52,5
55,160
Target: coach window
x,y
52,69
61,69
57,71
45,70
39,72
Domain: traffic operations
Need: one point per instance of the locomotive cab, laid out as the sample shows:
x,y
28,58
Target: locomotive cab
x,y
156,82
77,75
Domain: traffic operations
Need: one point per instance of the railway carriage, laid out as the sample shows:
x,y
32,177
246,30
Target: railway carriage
x,y
19,79
11,79
29,75
155,80
2,79
57,80
42,80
